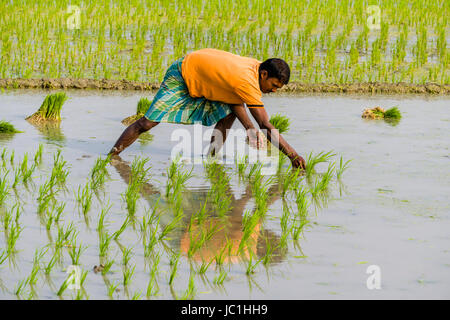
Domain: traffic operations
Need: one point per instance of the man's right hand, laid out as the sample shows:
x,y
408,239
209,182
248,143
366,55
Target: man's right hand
x,y
297,161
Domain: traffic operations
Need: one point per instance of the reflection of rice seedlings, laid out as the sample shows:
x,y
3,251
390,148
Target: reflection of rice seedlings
x,y
38,154
112,288
64,286
20,287
250,265
190,291
241,165
152,287
11,158
50,109
342,167
313,160
3,256
4,152
4,188
174,267
204,266
141,109
220,278
32,278
170,227
280,122
6,127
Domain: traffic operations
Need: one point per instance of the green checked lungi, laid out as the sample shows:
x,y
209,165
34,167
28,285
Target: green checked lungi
x,y
173,103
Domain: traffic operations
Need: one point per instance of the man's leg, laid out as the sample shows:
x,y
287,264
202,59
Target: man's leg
x,y
220,133
131,134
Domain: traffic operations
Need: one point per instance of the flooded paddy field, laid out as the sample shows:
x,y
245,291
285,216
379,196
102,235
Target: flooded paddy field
x,y
388,212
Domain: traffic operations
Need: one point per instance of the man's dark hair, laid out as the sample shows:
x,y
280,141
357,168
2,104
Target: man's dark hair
x,y
276,68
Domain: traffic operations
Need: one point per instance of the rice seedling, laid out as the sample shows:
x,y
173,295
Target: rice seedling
x,y
342,167
11,158
32,278
126,255
107,266
127,275
137,179
51,264
280,122
75,253
104,241
313,160
3,256
170,227
99,173
84,198
59,171
6,127
176,178
14,232
101,219
204,266
50,110
122,228
141,109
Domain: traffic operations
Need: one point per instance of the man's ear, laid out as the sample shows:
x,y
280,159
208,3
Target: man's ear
x,y
264,74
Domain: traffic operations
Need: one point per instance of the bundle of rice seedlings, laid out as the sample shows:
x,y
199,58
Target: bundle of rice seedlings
x,y
280,122
50,109
380,113
6,127
141,109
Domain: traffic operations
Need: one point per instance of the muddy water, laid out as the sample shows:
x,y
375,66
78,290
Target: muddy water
x,y
391,208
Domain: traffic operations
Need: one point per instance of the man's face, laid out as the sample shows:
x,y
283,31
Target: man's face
x,y
267,84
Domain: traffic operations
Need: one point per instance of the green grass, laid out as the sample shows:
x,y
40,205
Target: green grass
x,y
6,127
280,122
50,109
138,42
393,113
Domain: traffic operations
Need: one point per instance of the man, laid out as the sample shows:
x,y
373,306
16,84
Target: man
x,y
211,86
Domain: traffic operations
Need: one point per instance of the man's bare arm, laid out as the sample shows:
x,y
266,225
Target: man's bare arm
x,y
262,118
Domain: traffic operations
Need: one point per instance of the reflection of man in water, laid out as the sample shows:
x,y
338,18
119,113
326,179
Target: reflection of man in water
x,y
226,240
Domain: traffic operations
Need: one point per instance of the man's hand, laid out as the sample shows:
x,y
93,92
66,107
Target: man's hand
x,y
256,139
297,161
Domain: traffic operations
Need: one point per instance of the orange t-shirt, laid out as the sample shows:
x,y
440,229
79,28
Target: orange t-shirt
x,y
222,76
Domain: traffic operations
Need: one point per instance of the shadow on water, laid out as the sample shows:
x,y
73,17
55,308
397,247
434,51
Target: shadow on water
x,y
201,216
